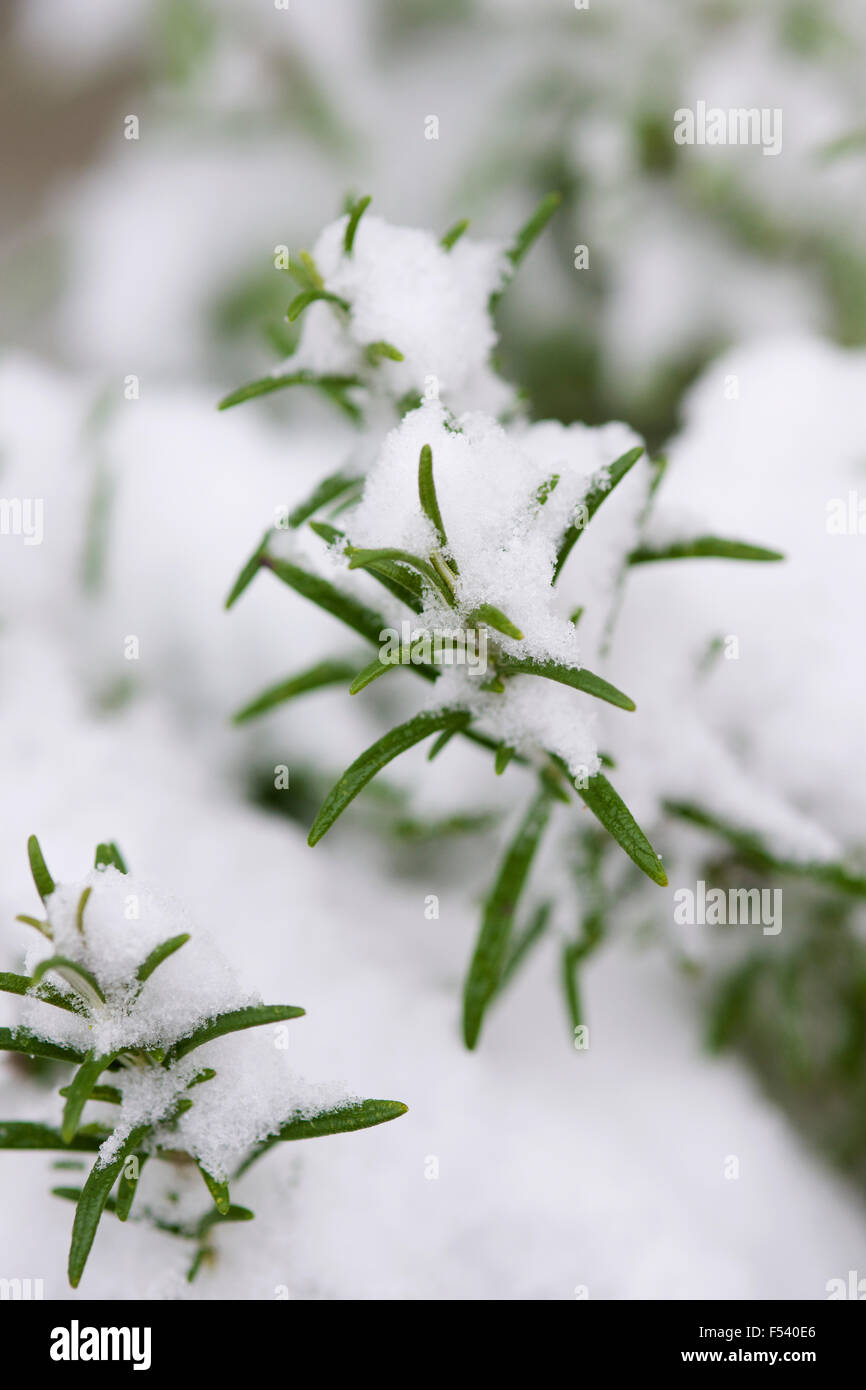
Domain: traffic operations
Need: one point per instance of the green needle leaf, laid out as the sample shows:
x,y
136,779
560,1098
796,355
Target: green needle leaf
x,y
570,962
355,215
404,584
110,1095
618,820
551,775
378,351
79,911
22,1040
324,673
331,599
377,756
363,1115
581,679
159,954
91,1203
363,559
302,301
309,271
74,974
304,272
532,229
344,1119
254,1016
453,235
491,950
109,854
41,877
333,386
219,1191
703,547
447,573
328,490
328,533
412,400
592,501
249,571
14,984
216,1218
659,466
446,737
495,618
371,673
524,943
21,1134
79,1089
42,927
427,494
263,386
504,754
127,1188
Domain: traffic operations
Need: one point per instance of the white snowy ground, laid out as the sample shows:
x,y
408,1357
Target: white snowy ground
x,y
558,1170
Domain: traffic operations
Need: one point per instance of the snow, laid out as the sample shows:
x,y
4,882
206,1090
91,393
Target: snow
x,y
404,289
255,1090
760,467
504,542
122,922
555,1168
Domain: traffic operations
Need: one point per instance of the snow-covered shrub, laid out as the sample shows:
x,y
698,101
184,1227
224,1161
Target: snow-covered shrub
x,y
467,522
771,796
112,991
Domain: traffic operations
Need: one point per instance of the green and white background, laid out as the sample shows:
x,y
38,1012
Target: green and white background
x,y
710,1141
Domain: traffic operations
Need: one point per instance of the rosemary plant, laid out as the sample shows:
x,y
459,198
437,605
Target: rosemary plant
x,y
430,584
97,1005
